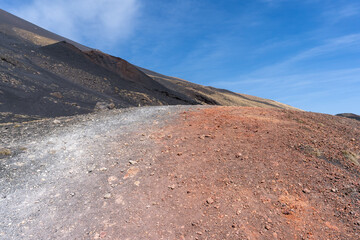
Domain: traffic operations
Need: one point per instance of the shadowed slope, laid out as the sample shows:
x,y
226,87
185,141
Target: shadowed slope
x,y
46,75
211,95
349,115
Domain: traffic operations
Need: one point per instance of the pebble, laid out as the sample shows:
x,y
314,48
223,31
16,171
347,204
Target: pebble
x,y
132,162
107,196
306,190
209,200
91,169
112,179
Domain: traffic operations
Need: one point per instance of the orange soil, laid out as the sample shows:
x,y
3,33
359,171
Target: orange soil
x,y
254,173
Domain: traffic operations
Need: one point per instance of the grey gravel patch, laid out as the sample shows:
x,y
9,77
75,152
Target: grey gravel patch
x,y
58,177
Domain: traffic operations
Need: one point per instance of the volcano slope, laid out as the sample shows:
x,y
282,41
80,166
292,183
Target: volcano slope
x,y
45,75
181,172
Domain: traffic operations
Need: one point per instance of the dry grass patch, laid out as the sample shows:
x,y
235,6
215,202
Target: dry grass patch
x,y
5,152
352,157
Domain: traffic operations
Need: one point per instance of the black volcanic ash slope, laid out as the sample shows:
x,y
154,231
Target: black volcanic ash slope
x,y
45,75
349,115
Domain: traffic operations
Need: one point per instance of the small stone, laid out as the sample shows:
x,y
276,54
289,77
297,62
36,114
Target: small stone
x,y
334,190
131,172
90,169
199,233
238,155
353,139
179,153
107,196
267,227
72,194
172,187
103,169
286,212
209,200
57,95
137,183
132,162
56,121
306,190
102,234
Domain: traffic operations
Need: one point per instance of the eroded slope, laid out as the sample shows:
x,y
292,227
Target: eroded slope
x,y
182,173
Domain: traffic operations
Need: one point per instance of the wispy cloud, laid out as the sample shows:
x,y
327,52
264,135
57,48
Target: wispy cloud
x,y
350,42
305,90
98,22
302,88
337,13
348,76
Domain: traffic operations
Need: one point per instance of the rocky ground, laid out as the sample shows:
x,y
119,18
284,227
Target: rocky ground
x,y
181,172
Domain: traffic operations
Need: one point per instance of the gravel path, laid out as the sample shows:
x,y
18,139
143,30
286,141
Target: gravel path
x,y
181,172
64,175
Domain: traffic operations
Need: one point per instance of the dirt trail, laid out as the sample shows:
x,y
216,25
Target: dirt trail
x,y
65,178
182,173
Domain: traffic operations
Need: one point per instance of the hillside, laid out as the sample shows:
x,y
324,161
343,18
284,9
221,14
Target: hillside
x,y
46,75
168,159
181,172
349,115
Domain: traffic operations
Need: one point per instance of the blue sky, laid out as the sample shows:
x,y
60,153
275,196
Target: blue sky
x,y
305,53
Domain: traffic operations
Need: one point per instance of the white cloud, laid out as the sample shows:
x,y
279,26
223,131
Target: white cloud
x,y
335,45
339,13
99,22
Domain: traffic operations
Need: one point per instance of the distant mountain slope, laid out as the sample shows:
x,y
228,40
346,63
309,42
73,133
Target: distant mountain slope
x,y
349,115
45,75
211,95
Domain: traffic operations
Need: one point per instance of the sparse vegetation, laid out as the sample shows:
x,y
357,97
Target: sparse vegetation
x,y
309,150
5,152
352,157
